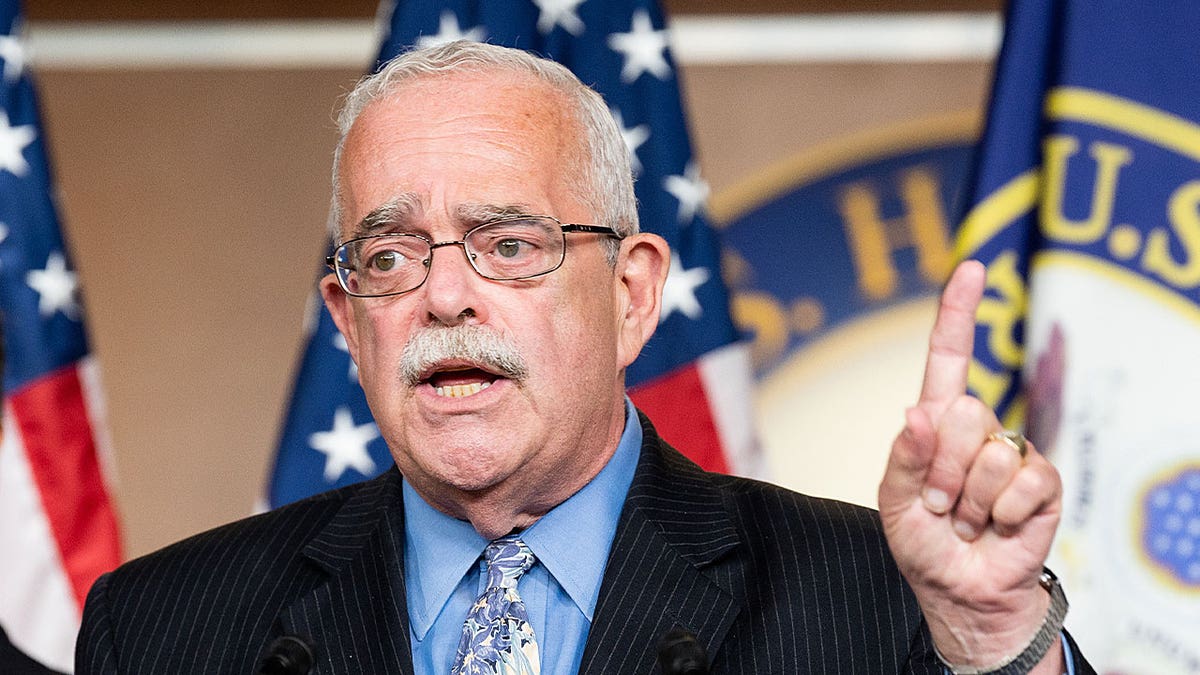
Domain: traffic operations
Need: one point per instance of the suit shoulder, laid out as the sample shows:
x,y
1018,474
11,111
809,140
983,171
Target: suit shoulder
x,y
263,544
832,553
191,596
788,527
213,597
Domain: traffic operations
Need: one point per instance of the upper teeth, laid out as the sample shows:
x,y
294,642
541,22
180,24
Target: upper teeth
x,y
459,390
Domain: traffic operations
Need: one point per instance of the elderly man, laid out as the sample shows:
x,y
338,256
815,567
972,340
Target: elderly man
x,y
492,286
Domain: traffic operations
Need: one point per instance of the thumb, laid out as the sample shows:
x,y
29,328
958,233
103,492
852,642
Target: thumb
x,y
908,466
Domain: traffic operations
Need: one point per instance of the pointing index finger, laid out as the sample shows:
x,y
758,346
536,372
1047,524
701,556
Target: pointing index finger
x,y
953,339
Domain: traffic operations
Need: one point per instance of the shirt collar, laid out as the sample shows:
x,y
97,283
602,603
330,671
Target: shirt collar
x,y
440,549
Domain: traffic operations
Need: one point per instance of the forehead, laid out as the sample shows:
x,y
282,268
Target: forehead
x,y
484,137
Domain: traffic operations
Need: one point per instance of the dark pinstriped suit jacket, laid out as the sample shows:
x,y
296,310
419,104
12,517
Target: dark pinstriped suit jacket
x,y
769,580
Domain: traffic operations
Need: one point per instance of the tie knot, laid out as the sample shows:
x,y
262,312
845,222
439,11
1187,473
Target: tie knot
x,y
507,559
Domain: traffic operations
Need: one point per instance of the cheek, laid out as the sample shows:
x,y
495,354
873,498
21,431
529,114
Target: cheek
x,y
584,329
382,336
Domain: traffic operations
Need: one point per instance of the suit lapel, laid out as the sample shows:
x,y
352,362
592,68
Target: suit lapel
x,y
356,618
672,564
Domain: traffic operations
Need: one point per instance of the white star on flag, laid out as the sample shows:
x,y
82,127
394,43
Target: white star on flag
x,y
345,445
679,293
13,141
339,343
12,52
633,140
643,47
690,189
57,286
563,13
450,30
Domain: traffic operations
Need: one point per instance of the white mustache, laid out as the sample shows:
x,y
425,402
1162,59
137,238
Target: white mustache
x,y
485,347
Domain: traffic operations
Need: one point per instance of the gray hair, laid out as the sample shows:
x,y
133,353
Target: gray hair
x,y
600,173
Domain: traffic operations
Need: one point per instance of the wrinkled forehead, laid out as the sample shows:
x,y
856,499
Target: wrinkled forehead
x,y
521,100
510,121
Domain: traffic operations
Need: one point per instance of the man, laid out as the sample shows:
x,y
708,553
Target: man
x,y
492,286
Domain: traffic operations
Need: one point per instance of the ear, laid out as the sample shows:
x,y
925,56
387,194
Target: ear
x,y
342,311
642,272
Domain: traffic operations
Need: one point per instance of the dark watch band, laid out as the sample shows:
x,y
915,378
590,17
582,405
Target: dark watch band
x,y
1036,650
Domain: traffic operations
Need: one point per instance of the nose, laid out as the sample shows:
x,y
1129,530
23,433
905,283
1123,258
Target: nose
x,y
451,288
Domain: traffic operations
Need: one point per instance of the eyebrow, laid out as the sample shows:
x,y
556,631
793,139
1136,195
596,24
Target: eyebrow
x,y
389,215
476,214
401,212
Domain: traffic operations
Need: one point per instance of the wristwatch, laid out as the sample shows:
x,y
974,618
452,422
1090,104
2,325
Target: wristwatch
x,y
1035,651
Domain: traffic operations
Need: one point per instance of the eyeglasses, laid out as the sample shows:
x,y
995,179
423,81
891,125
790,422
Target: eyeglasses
x,y
501,250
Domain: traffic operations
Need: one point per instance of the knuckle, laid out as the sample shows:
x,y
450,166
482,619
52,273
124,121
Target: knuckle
x,y
1029,490
1033,483
946,476
971,508
997,460
1008,516
1049,474
962,406
1038,481
970,411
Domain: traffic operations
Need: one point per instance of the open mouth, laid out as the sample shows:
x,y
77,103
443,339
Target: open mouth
x,y
460,382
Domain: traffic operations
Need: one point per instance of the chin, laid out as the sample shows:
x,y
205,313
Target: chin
x,y
474,470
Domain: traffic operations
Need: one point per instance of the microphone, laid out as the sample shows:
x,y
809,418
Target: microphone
x,y
679,653
287,655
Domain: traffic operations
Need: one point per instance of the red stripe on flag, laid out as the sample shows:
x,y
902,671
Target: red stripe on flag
x,y
58,440
681,413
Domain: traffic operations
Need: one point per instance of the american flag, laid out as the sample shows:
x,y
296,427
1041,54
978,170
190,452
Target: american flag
x,y
693,378
58,531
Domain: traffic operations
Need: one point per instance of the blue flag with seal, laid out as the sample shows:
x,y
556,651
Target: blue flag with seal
x,y
693,378
1086,211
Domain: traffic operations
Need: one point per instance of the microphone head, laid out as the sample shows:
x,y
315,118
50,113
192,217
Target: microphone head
x,y
680,653
287,655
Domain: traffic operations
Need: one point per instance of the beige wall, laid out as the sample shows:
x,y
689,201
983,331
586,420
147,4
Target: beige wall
x,y
195,203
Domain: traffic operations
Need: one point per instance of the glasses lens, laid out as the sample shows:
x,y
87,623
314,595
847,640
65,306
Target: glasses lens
x,y
382,265
517,248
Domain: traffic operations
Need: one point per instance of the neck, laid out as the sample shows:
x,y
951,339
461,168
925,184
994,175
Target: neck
x,y
517,502
505,508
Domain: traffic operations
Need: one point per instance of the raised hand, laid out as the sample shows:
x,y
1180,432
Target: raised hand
x,y
968,519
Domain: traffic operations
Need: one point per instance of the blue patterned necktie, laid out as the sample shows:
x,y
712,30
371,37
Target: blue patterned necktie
x,y
496,637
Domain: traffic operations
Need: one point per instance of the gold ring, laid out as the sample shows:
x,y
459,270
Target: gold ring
x,y
1013,439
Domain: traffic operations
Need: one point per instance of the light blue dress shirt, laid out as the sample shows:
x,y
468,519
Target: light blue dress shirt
x,y
444,573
